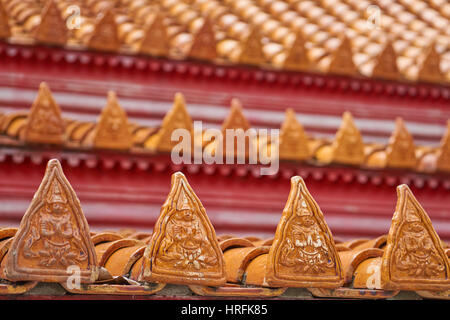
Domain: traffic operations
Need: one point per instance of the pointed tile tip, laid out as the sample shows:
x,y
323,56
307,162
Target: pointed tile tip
x,y
179,97
236,103
178,175
44,86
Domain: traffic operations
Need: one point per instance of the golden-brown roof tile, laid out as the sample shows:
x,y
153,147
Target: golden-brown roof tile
x,y
293,140
414,258
52,29
105,35
44,123
303,253
183,248
443,159
113,130
400,152
53,235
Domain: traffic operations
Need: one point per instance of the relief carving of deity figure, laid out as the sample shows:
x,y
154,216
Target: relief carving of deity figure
x,y
415,253
45,120
305,248
52,238
185,244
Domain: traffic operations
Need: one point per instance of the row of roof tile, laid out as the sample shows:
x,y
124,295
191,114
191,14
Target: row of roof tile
x,y
53,240
45,125
407,41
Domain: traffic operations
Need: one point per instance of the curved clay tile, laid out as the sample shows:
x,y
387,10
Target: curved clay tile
x,y
237,260
342,59
255,273
303,253
267,242
443,159
113,130
413,258
355,243
297,57
13,124
348,146
386,64
430,70
184,248
5,31
52,29
252,49
400,152
53,235
204,43
234,242
156,39
177,118
293,139
367,274
105,35
45,123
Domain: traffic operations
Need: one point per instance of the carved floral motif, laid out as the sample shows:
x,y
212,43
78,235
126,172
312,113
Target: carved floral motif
x,y
184,247
414,258
156,41
105,36
112,131
53,235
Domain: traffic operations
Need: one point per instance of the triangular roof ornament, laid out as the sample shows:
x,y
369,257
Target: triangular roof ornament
x,y
430,70
112,130
348,146
413,258
156,40
252,49
293,139
204,43
297,57
5,30
52,29
303,253
386,64
235,118
105,35
443,160
342,59
45,123
400,152
176,118
184,247
53,237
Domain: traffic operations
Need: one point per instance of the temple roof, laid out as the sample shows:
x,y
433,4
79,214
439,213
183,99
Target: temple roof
x,y
396,41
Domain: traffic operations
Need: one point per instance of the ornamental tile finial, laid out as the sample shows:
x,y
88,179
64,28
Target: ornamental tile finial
x,y
252,49
184,247
342,59
297,58
430,71
386,64
105,35
400,152
303,253
413,258
53,236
